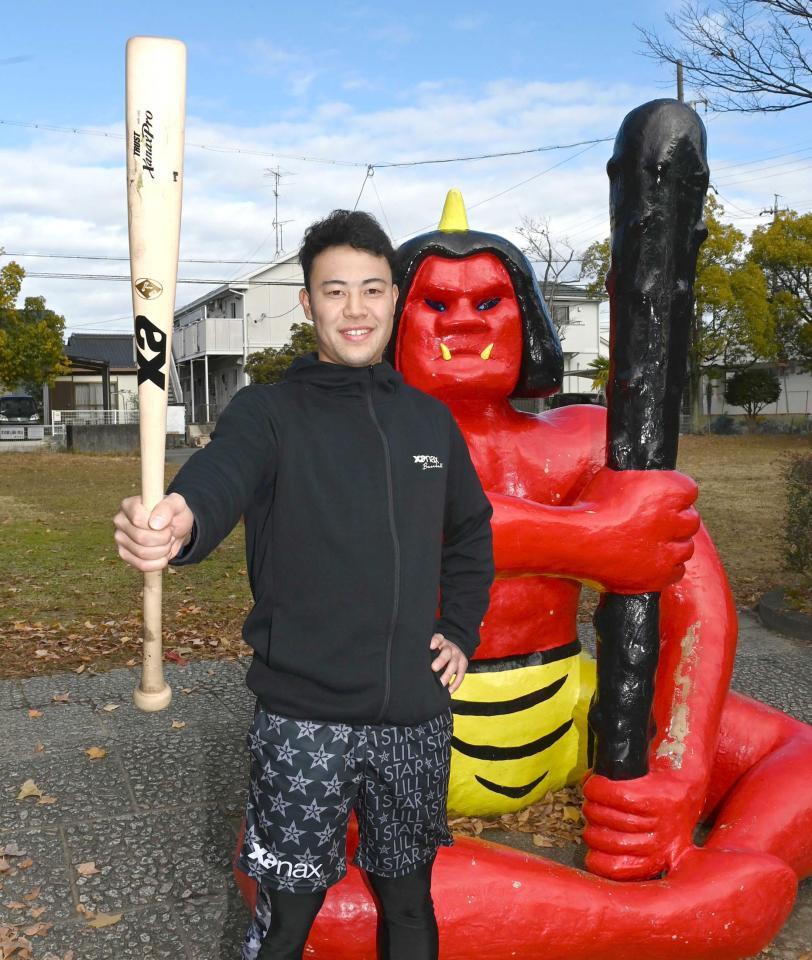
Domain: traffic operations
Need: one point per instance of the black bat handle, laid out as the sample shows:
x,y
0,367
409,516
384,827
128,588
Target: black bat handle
x,y
659,175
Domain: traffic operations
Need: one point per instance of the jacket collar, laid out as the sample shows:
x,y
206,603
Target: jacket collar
x,y
340,380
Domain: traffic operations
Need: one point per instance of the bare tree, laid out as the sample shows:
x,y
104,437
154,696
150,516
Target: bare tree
x,y
554,256
750,56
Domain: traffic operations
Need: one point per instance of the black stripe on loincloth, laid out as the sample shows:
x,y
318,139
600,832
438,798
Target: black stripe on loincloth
x,y
514,792
485,751
493,708
534,659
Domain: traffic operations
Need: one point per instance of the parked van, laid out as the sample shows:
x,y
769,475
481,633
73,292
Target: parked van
x,y
19,408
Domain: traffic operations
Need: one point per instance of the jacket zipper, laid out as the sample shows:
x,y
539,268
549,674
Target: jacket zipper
x,y
395,542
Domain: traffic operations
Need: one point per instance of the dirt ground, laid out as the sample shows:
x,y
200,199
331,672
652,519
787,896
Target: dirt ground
x,y
69,602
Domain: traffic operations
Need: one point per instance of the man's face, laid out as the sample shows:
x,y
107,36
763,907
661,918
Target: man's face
x,y
460,330
351,303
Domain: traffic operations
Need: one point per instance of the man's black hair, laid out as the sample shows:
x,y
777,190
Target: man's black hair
x,y
542,365
350,228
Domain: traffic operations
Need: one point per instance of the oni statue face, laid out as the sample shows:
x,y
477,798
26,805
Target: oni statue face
x,y
460,330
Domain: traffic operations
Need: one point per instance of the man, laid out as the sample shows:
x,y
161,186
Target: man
x,y
361,505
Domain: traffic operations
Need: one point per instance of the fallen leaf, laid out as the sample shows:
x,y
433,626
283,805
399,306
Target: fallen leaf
x,y
29,789
39,747
80,669
87,869
38,930
104,920
5,866
89,625
32,894
37,912
96,753
61,698
185,689
25,863
130,663
178,724
572,813
45,800
110,707
542,841
175,657
16,905
34,713
84,911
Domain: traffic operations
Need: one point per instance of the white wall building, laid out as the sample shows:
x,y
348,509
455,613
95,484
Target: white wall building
x,y
214,334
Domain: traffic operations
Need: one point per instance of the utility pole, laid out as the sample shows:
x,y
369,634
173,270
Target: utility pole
x,y
680,88
774,211
277,224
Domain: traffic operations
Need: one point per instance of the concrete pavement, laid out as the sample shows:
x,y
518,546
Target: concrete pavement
x,y
158,813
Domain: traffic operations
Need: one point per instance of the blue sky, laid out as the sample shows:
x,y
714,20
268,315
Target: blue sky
x,y
365,82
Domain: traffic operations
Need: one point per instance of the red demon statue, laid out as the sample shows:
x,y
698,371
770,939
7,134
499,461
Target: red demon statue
x,y
472,328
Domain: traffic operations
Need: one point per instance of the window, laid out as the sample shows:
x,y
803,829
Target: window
x,y
233,309
88,396
561,314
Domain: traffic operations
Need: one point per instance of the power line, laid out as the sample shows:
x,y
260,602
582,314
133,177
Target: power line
x,y
80,131
76,256
127,278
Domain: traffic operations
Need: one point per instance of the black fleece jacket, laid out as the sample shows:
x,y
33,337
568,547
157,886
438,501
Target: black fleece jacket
x,y
362,509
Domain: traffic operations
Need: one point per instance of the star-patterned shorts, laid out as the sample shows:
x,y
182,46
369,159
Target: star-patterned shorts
x,y
307,776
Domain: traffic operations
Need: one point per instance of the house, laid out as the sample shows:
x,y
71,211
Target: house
x,y
576,316
102,386
214,335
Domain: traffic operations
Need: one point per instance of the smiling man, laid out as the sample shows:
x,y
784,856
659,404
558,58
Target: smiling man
x,y
361,507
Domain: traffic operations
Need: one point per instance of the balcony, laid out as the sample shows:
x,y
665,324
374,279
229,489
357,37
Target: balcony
x,y
209,335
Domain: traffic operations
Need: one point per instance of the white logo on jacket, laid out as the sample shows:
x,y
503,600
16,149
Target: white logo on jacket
x,y
429,462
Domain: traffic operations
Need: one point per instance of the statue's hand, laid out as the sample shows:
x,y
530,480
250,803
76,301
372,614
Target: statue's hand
x,y
645,520
638,828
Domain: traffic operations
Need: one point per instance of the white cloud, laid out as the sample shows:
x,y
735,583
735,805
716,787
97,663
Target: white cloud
x,y
66,194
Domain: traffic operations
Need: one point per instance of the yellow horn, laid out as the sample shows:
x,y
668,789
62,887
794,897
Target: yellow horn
x,y
454,218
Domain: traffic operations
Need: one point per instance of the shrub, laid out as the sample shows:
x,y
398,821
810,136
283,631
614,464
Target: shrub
x,y
723,425
798,529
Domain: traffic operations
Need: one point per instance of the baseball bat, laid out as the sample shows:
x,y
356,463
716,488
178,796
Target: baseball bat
x,y
156,96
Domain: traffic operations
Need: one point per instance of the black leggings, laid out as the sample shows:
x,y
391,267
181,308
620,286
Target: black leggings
x,y
408,930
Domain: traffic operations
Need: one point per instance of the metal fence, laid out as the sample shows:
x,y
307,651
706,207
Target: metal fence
x,y
92,416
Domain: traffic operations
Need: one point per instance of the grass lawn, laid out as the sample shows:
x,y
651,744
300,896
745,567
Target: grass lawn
x,y
69,602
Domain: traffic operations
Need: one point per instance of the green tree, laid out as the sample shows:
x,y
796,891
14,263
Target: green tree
x,y
752,389
31,347
594,267
783,250
269,365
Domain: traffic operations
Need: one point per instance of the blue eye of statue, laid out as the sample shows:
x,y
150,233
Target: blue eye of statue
x,y
488,304
435,305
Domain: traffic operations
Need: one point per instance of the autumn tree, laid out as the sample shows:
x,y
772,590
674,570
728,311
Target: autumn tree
x,y
31,347
733,321
783,250
752,56
269,365
594,267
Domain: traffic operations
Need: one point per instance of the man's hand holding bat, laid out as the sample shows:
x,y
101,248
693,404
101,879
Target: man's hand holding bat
x,y
149,541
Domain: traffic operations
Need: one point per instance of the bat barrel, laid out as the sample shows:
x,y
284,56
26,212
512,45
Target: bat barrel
x,y
156,93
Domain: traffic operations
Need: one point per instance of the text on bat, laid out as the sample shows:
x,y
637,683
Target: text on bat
x,y
150,337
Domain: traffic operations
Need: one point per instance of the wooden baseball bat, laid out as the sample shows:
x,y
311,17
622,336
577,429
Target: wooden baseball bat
x,y
156,99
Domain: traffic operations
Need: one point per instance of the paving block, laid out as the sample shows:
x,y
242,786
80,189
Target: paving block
x,y
49,874
82,788
152,857
60,727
